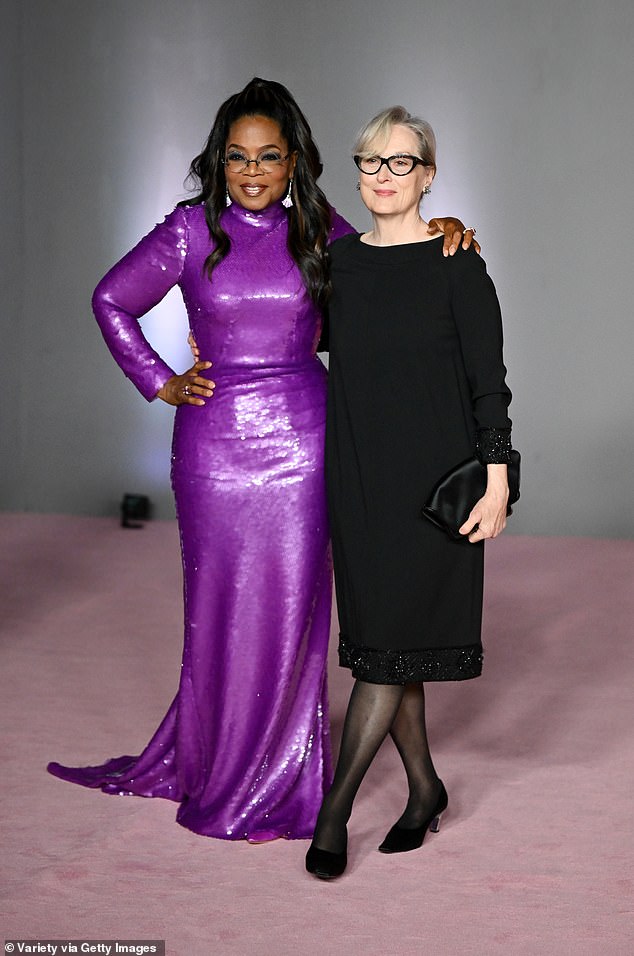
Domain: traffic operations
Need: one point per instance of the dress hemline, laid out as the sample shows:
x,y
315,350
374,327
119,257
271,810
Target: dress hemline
x,y
390,666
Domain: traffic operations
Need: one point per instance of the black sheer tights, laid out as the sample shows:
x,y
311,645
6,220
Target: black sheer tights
x,y
409,733
374,711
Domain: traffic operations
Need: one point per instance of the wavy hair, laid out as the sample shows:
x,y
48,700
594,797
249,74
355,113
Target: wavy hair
x,y
375,134
309,218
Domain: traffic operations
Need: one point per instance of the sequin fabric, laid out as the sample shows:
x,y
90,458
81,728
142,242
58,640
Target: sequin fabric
x,y
493,446
379,666
244,747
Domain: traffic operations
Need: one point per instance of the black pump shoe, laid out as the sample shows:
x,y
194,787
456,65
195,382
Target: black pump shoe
x,y
326,865
401,839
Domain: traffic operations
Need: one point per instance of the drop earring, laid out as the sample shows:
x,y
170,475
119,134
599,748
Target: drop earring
x,y
287,202
227,197
358,186
426,190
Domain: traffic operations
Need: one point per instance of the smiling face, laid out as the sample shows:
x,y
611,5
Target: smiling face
x,y
386,194
255,136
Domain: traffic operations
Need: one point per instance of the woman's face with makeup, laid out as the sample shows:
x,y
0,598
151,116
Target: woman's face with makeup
x,y
258,137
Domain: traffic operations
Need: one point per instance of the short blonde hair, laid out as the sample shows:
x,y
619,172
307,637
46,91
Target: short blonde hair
x,y
375,134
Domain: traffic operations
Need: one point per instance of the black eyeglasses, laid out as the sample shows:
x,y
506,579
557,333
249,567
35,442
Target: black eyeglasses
x,y
267,161
400,164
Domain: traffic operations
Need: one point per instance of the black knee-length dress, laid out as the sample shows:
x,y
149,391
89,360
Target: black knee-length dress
x,y
416,385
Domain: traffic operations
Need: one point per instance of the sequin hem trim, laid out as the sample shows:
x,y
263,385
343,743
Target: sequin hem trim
x,y
379,666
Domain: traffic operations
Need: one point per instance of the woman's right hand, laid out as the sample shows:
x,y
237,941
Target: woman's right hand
x,y
185,389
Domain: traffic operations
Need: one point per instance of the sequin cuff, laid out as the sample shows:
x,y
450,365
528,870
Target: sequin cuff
x,y
493,446
377,666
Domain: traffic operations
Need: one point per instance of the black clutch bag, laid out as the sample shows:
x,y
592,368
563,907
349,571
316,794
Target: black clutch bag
x,y
453,497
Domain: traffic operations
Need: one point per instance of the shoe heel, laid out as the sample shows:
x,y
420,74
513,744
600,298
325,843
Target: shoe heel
x,y
402,839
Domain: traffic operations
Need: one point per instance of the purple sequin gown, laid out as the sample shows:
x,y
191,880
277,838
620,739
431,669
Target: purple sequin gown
x,y
244,747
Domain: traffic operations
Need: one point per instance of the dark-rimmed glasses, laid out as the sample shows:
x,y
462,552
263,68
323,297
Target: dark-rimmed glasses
x,y
268,161
400,164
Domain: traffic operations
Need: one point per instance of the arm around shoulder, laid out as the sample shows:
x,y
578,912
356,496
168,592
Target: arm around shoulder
x,y
339,226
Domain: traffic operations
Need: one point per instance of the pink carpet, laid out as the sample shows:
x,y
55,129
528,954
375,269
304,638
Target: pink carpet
x,y
534,855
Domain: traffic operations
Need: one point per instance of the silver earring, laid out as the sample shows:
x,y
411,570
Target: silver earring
x,y
426,190
287,202
227,197
358,186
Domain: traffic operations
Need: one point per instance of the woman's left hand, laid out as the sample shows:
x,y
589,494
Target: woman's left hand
x,y
488,516
454,232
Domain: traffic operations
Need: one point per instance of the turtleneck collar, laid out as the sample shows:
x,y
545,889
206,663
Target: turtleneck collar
x,y
266,218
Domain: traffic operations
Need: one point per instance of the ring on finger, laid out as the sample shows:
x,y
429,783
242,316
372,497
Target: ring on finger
x,y
471,229
186,390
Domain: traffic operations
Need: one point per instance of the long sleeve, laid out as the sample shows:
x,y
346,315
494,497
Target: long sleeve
x,y
476,312
340,226
130,289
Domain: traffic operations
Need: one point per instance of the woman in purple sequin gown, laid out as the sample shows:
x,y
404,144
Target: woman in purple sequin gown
x,y
244,747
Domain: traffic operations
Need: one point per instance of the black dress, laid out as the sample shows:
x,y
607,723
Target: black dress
x,y
416,384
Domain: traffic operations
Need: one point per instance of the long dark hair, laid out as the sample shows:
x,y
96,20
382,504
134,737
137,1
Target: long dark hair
x,y
309,218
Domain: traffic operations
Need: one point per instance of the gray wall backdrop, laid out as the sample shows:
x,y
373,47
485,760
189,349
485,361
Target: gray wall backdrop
x,y
104,102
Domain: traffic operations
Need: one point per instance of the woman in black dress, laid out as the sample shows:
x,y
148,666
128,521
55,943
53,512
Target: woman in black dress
x,y
416,385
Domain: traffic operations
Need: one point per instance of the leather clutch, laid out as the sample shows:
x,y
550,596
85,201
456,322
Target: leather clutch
x,y
453,497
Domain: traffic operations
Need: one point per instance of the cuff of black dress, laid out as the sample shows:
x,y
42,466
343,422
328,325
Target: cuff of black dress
x,y
493,446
